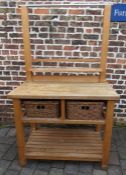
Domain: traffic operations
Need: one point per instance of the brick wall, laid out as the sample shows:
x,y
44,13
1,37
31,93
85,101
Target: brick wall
x,y
58,33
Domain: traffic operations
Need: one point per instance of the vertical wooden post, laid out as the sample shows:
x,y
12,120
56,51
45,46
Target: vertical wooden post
x,y
62,109
26,41
107,132
33,125
98,128
19,131
104,50
105,41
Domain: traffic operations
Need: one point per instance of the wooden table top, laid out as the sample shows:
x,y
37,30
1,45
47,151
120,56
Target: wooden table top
x,y
54,90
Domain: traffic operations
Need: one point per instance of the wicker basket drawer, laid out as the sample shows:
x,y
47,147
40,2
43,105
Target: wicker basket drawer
x,y
80,110
42,109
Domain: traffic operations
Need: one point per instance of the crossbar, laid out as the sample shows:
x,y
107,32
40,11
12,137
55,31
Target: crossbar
x,y
67,5
65,69
88,60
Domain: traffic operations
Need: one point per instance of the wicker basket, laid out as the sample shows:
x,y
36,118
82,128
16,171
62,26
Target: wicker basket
x,y
80,110
42,109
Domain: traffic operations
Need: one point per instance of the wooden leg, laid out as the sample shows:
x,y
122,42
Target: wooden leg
x,y
107,133
19,131
98,128
62,110
33,126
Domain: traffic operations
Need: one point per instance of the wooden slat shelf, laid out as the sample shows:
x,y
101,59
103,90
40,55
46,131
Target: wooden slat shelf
x,y
64,144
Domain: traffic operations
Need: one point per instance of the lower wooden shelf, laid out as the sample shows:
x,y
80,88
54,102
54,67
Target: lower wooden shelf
x,y
64,144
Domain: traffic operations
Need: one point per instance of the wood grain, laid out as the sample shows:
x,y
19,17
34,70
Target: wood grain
x,y
26,41
108,133
73,79
19,131
51,90
66,60
64,144
66,69
63,121
105,41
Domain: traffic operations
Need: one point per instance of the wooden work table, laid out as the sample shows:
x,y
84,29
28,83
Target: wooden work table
x,y
88,145
64,143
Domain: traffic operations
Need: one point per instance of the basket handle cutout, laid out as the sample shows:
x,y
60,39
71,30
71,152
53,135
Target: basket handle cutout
x,y
85,107
40,107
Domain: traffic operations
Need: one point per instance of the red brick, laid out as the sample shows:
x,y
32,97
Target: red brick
x,y
18,10
114,66
13,52
42,11
88,30
120,72
50,53
59,53
74,36
54,47
2,16
11,46
5,52
76,54
76,12
57,35
121,61
67,53
69,48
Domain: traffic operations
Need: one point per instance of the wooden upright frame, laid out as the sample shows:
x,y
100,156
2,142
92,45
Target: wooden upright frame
x,y
28,57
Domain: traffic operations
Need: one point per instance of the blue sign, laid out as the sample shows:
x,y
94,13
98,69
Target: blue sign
x,y
118,13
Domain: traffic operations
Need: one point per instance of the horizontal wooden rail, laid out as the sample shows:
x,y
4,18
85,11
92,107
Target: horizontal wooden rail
x,y
58,121
71,78
66,60
73,4
67,69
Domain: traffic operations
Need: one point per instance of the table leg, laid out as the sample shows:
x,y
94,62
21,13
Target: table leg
x,y
107,133
98,128
19,131
33,126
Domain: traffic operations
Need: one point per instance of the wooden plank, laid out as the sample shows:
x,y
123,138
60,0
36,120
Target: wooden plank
x,y
46,144
105,41
19,132
66,138
63,150
71,131
62,110
33,126
61,143
78,132
26,41
64,90
62,78
66,69
98,128
57,121
59,156
66,60
41,147
108,133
